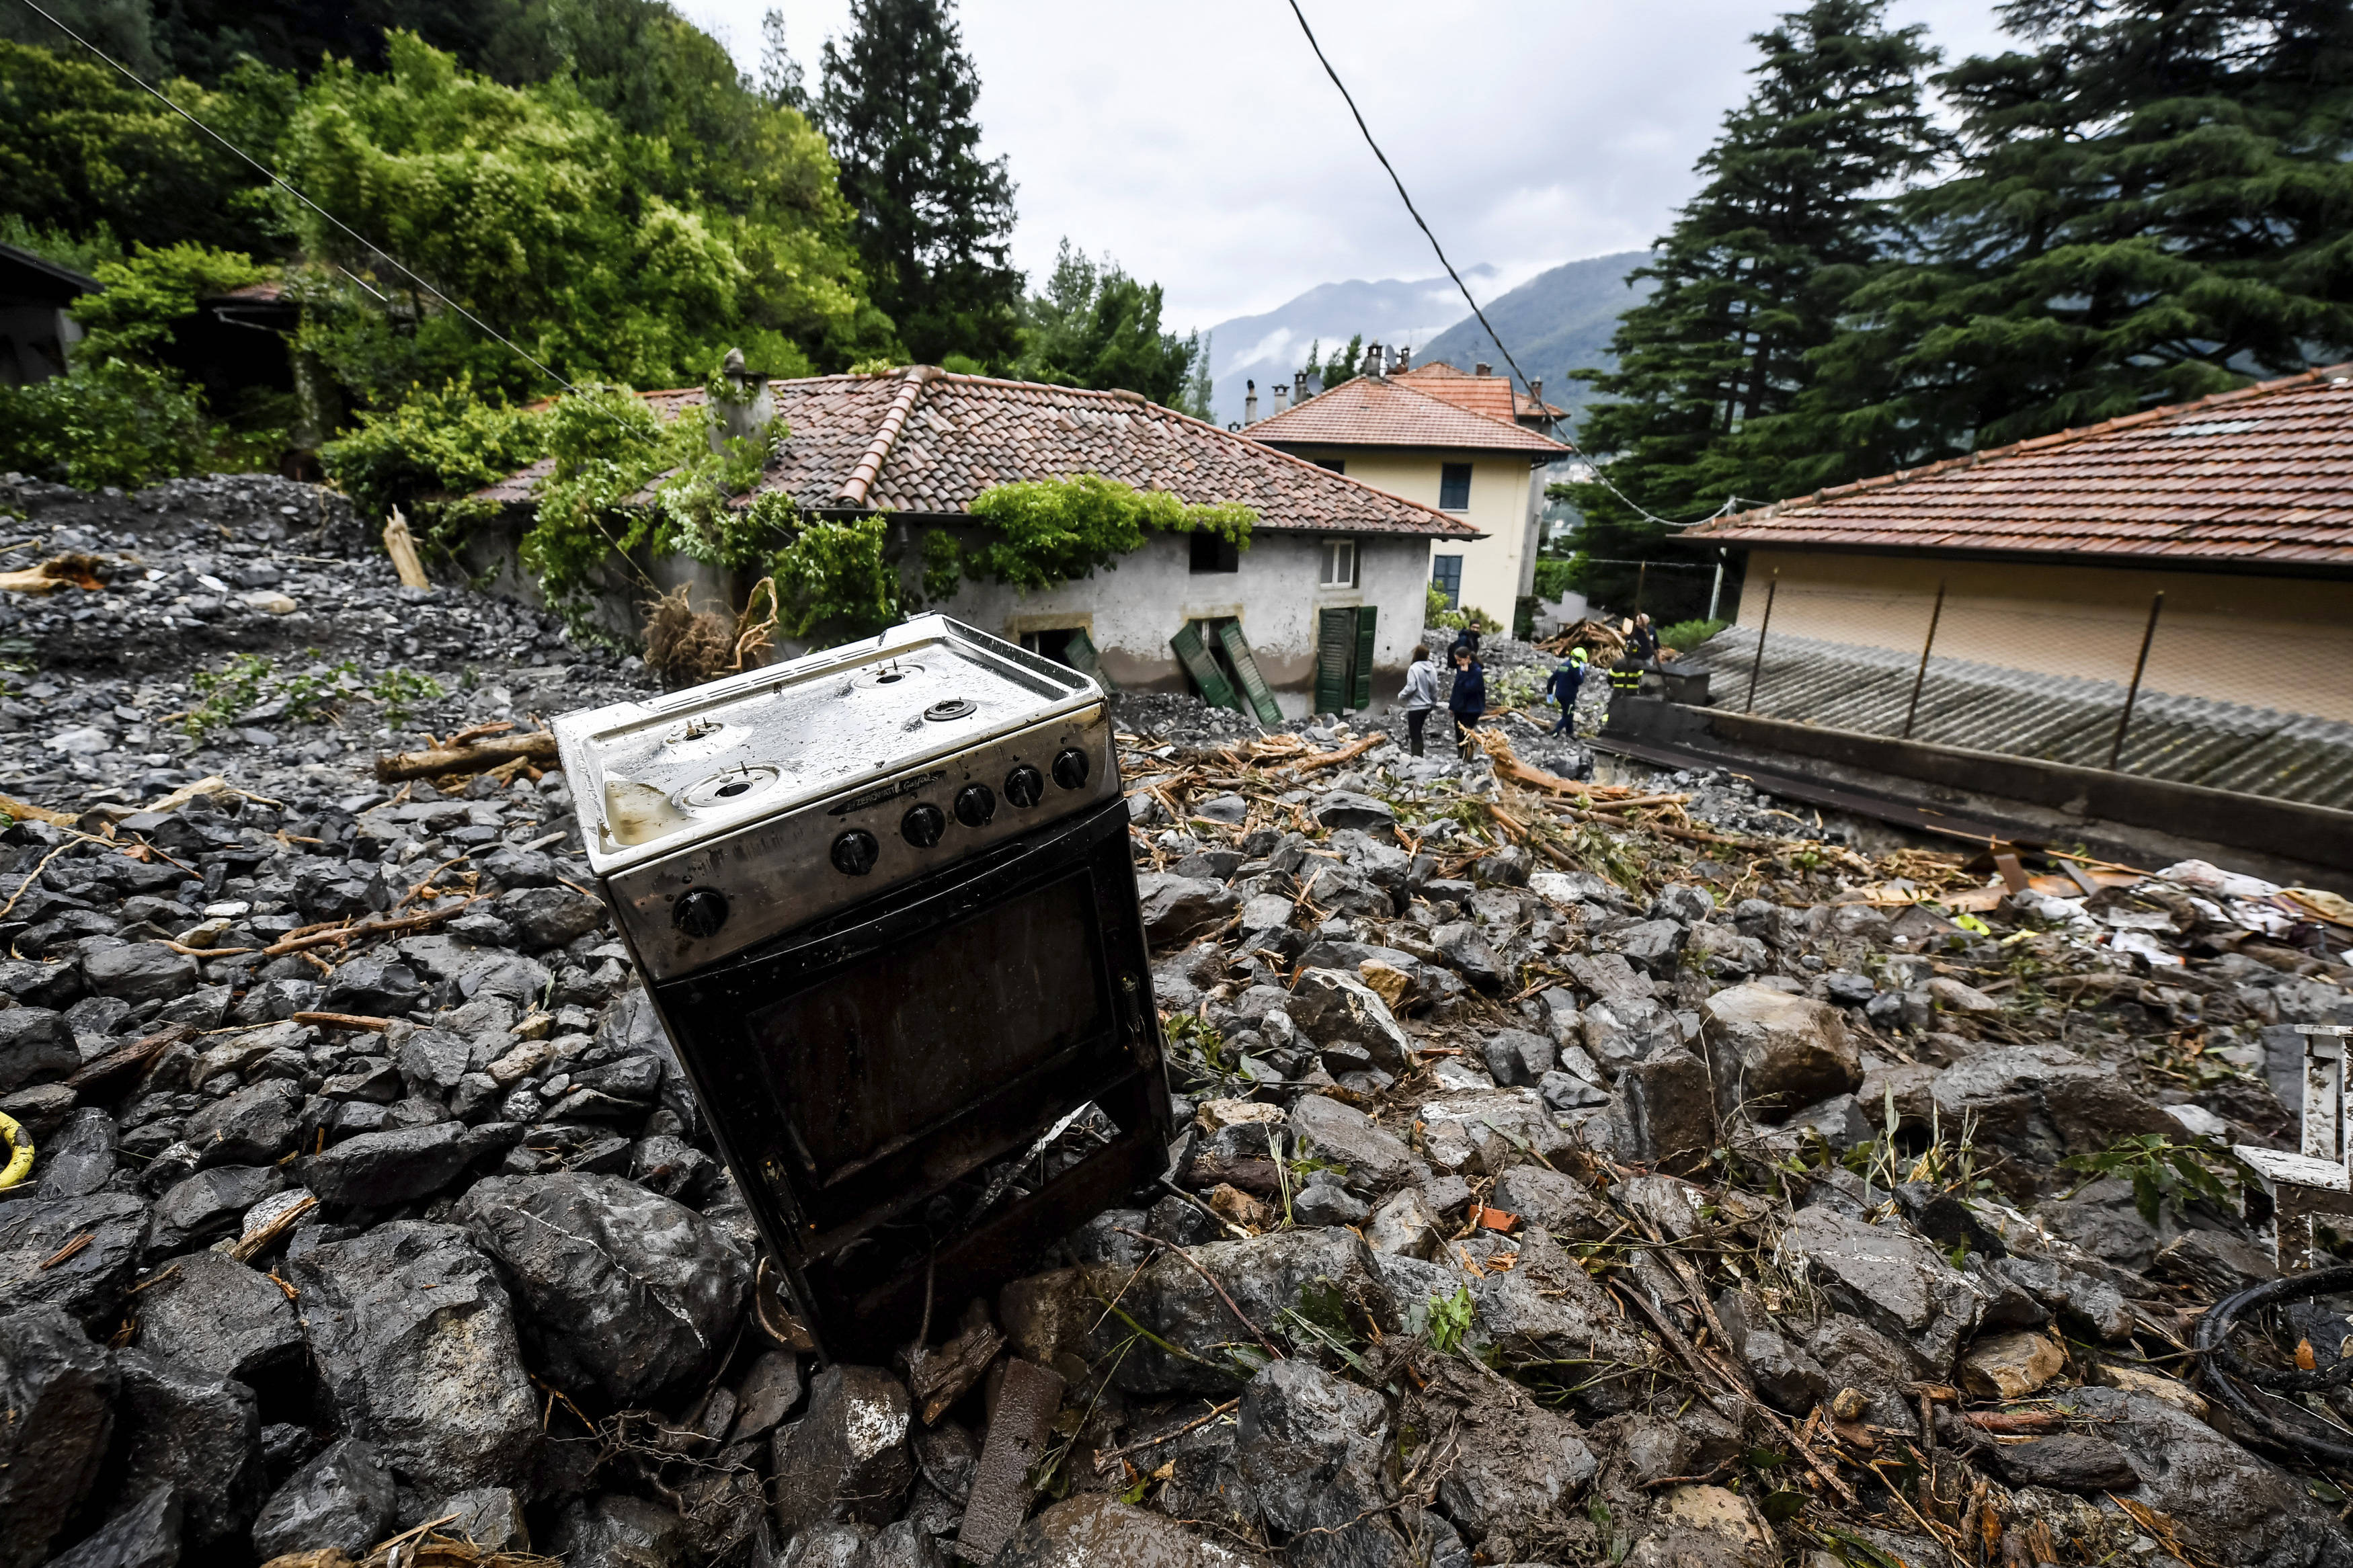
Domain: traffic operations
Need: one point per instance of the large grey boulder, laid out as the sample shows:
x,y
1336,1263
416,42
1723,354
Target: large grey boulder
x,y
250,1126
1771,1052
1310,1450
1376,1161
35,1046
215,1315
90,1284
58,1390
416,1343
376,1169
845,1461
145,1533
1317,1271
1178,908
198,1434
342,1498
1094,1529
2044,1102
625,1293
1891,1279
1547,1309
140,972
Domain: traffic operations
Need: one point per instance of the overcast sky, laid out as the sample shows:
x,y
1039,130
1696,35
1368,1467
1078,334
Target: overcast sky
x,y
1201,146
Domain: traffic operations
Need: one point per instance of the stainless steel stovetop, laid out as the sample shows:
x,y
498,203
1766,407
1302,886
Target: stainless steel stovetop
x,y
718,816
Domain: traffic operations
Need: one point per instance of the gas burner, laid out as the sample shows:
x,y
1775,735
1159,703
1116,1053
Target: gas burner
x,y
954,708
732,786
886,677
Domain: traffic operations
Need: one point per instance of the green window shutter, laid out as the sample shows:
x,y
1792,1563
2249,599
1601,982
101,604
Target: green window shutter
x,y
1198,663
1238,653
1336,639
1364,618
1079,654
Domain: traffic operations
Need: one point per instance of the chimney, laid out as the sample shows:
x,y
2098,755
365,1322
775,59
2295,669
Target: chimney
x,y
746,409
1404,361
1376,362
1279,390
1535,395
1250,402
1298,387
1483,368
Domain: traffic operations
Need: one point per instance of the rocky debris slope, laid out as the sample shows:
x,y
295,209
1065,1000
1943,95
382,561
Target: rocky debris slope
x,y
1565,1178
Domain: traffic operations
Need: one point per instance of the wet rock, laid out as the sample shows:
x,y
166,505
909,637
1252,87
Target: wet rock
x,y
343,1499
1701,1527
832,1545
771,1389
1470,955
489,1517
209,1204
1655,1448
2223,1500
1320,1272
1310,1450
140,972
627,1293
79,1160
2103,1220
846,1460
58,1392
1772,1052
412,1337
1341,809
1788,1377
35,1046
1094,1529
1548,1309
1404,1226
1376,1161
219,1318
615,1530
1324,1202
2010,1366
252,1126
2044,1102
549,917
1332,1007
373,988
1654,947
1560,1203
1518,1057
1519,1464
144,1534
1666,1106
2070,1461
375,1169
195,1432
1177,908
2087,1305
91,1283
1891,1279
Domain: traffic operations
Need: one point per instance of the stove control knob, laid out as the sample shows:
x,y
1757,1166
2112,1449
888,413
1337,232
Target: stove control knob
x,y
699,913
854,852
975,805
1070,769
923,826
1024,786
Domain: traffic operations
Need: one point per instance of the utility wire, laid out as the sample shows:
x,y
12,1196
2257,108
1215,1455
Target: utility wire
x,y
1492,336
272,176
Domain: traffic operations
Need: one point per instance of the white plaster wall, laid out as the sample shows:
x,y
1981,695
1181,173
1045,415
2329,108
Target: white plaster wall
x,y
1130,612
1496,570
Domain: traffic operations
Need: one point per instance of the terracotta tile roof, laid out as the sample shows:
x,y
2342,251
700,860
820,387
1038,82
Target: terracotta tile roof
x,y
1497,396
2261,475
923,440
1386,411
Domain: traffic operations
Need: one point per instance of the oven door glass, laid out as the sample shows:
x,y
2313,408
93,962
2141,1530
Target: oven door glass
x,y
875,1055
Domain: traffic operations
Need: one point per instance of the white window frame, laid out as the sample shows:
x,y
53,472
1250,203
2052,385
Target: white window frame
x,y
1340,556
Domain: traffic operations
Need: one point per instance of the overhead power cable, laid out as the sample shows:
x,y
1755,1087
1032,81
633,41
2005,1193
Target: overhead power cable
x,y
1492,336
274,178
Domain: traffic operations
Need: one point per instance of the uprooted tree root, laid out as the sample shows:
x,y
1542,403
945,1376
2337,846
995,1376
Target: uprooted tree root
x,y
686,647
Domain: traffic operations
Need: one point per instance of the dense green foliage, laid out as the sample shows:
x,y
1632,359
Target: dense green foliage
x,y
2145,200
1753,278
437,446
935,219
1040,532
1095,326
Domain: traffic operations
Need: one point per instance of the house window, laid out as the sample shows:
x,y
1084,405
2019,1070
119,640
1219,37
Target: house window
x,y
1332,465
1211,553
1339,564
1446,572
1454,487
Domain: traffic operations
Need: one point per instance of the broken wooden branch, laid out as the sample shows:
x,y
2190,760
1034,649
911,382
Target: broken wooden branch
x,y
70,570
360,933
476,757
125,1059
1348,754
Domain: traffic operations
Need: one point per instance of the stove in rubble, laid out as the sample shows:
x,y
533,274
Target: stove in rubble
x,y
883,900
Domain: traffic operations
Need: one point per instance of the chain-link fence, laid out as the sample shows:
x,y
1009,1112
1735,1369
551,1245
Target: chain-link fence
x,y
2224,701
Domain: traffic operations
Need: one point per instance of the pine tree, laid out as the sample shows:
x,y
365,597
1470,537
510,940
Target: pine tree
x,y
1751,278
781,83
1095,326
1200,392
935,219
2156,204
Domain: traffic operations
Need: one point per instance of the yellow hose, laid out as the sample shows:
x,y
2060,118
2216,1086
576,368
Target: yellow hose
x,y
20,1144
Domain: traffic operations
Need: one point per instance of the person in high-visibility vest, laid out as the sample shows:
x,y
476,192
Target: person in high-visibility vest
x,y
1626,675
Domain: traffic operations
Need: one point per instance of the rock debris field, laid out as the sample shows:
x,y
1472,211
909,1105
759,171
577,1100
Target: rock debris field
x,y
1572,1171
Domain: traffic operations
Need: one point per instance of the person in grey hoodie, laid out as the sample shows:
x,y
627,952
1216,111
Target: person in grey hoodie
x,y
1420,693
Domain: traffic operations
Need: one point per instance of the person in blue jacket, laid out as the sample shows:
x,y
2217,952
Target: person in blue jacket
x,y
1566,677
1469,699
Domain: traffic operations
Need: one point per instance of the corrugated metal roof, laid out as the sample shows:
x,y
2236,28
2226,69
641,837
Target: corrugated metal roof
x,y
2055,718
2261,475
924,440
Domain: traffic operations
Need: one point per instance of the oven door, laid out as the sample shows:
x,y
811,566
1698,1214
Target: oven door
x,y
862,1073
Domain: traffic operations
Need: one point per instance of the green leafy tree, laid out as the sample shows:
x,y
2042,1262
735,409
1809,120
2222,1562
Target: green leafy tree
x,y
1039,533
935,218
1751,280
2156,203
1095,326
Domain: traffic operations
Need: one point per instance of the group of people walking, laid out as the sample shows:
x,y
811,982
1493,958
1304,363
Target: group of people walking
x,y
1463,681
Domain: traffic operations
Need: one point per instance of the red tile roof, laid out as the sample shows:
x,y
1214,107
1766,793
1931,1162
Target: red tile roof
x,y
1497,396
2261,475
923,440
1386,411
